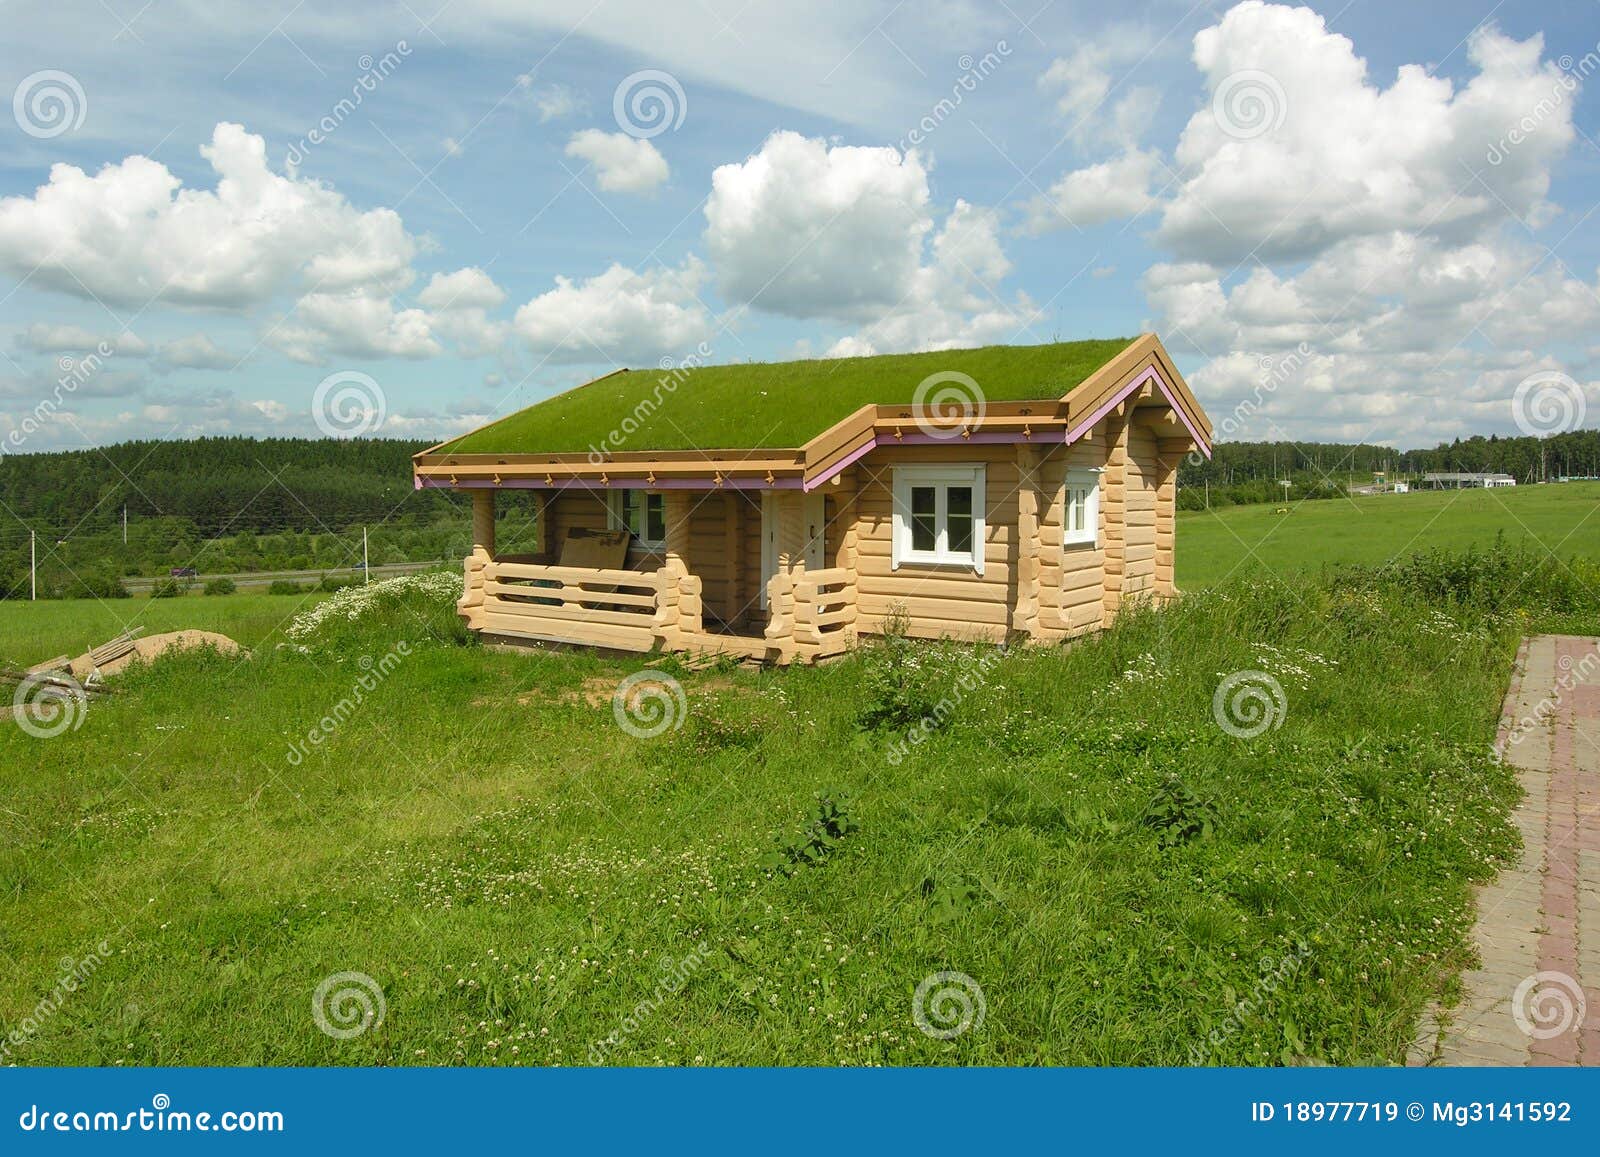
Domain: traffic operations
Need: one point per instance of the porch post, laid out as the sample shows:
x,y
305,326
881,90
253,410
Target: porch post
x,y
482,554
1114,510
1025,619
1172,451
678,507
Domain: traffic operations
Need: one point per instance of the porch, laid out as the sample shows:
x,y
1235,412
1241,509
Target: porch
x,y
790,607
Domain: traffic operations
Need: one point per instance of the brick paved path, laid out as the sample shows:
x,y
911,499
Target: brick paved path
x,y
1535,1000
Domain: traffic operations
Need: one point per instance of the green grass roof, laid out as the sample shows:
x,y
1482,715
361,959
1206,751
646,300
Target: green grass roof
x,y
774,405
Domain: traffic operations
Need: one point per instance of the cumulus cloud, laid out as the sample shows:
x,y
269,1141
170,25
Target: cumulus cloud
x,y
132,232
1360,245
808,230
622,164
355,324
621,316
1108,191
469,288
1348,157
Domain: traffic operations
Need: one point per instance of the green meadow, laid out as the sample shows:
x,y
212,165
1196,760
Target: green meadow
x,y
1108,853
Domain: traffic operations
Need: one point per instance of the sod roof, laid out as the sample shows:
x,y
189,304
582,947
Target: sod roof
x,y
774,405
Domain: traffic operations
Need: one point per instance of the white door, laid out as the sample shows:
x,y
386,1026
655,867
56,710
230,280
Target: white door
x,y
812,510
814,526
769,541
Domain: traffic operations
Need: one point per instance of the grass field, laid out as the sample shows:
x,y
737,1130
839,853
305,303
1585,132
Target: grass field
x,y
1080,849
31,632
1562,518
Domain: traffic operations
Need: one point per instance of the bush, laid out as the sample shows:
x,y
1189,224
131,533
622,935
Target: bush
x,y
220,586
102,585
335,583
412,608
285,587
169,588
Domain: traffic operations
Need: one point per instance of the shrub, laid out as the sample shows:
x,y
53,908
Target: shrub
x,y
220,586
169,588
335,583
285,587
413,608
830,823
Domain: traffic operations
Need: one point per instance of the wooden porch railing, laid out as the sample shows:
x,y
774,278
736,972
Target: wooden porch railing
x,y
812,613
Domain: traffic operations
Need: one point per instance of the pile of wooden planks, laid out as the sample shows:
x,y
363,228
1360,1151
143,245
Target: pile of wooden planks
x,y
114,648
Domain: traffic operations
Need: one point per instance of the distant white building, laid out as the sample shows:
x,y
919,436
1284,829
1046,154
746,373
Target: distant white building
x,y
1401,488
1459,480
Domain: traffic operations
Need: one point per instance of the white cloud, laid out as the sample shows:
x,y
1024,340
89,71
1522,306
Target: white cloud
x,y
132,232
553,101
42,338
1351,158
1373,236
622,164
1098,108
621,316
1108,191
469,288
196,352
809,231
955,300
355,324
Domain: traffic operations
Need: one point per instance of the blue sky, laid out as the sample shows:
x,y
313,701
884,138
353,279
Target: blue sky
x,y
1324,211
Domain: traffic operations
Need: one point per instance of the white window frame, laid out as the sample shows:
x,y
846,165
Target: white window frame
x,y
1088,534
941,477
617,516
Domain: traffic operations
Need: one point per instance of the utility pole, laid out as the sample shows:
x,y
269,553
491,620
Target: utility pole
x,y
366,569
33,565
124,524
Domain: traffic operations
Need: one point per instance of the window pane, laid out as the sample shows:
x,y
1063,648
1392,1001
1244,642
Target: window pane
x,y
924,528
958,509
656,522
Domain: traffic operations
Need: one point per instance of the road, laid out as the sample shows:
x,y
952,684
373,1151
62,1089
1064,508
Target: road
x,y
142,585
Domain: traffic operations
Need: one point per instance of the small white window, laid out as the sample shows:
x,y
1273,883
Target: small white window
x,y
1081,521
642,515
938,516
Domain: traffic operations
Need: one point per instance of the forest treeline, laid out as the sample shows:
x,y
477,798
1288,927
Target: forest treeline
x,y
225,505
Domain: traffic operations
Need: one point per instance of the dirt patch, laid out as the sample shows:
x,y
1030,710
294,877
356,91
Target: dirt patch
x,y
153,646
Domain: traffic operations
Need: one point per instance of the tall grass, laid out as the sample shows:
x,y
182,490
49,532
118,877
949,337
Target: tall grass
x,y
1126,881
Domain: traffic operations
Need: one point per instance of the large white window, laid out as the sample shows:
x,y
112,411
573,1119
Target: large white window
x,y
1081,521
642,515
938,516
